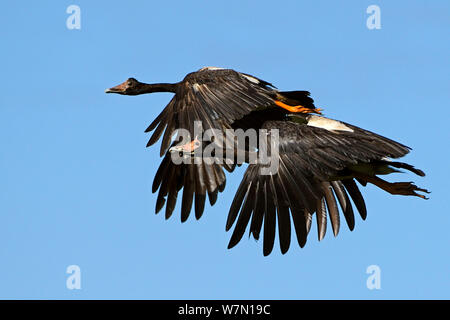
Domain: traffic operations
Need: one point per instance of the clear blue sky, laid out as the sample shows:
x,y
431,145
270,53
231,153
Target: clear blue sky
x,y
76,176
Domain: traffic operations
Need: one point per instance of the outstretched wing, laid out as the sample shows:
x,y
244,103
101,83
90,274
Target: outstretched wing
x,y
216,97
314,159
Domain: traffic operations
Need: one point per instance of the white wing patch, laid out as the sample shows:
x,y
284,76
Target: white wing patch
x,y
196,87
251,79
328,124
210,68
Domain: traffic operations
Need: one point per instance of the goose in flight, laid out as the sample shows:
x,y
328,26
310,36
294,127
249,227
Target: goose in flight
x,y
320,161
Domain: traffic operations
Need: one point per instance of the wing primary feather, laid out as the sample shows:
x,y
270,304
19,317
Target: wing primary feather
x,y
160,118
157,134
244,216
188,193
160,201
160,173
269,222
238,198
284,221
171,200
212,197
200,191
284,228
167,137
308,219
164,189
355,194
345,204
199,205
258,212
321,216
296,202
332,207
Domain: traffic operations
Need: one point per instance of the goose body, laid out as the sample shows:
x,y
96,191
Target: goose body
x,y
320,160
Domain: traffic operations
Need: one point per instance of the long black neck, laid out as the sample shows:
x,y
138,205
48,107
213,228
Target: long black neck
x,y
156,87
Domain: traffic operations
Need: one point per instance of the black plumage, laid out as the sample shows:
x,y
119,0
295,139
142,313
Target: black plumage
x,y
320,160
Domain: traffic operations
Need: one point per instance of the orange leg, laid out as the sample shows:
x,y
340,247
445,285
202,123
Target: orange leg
x,y
188,147
298,108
